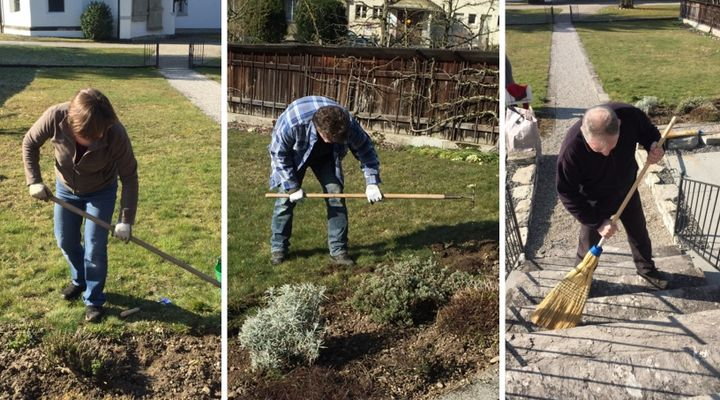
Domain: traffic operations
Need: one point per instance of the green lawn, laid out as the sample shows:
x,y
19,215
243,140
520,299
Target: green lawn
x,y
178,152
641,11
528,16
528,48
211,72
652,58
22,38
387,229
42,55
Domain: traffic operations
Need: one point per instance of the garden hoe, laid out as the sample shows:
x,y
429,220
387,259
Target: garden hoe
x,y
386,196
137,241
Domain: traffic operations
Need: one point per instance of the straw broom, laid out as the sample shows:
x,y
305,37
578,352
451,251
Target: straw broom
x,y
562,308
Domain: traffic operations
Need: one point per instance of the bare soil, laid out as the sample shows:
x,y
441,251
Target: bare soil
x,y
135,367
662,114
366,360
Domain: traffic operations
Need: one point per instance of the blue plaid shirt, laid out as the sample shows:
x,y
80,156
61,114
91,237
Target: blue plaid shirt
x,y
294,136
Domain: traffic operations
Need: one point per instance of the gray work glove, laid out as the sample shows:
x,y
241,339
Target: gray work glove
x,y
297,196
39,191
123,231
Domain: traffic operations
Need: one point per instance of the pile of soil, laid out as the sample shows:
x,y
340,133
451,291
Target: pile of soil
x,y
708,112
137,366
366,360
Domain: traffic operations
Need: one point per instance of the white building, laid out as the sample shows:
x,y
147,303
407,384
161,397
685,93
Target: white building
x,y
474,23
133,18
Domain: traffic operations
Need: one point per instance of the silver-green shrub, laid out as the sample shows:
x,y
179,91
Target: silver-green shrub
x,y
288,331
688,104
397,292
647,104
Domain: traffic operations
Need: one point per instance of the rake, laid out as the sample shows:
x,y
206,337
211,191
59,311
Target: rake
x,y
563,307
386,196
139,242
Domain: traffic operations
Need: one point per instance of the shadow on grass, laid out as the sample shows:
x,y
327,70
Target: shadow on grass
x,y
14,81
459,233
628,26
155,311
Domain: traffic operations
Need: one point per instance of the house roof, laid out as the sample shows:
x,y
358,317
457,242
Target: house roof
x,y
415,5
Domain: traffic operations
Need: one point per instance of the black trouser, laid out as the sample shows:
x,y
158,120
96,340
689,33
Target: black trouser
x,y
633,220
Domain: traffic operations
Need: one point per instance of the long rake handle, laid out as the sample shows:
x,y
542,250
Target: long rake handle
x,y
639,179
415,196
137,241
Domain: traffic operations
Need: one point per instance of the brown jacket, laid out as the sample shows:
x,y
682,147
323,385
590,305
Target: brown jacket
x,y
105,160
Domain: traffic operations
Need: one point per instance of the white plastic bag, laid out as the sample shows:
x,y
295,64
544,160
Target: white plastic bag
x,y
521,130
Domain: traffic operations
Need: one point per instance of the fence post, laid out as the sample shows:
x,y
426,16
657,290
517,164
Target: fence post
x,y
679,204
157,54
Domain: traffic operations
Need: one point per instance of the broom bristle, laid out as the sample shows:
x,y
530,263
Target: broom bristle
x,y
562,308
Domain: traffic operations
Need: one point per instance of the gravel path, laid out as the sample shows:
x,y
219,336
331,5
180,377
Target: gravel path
x,y
201,91
572,89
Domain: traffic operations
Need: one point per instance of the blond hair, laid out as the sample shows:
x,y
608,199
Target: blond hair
x,y
90,114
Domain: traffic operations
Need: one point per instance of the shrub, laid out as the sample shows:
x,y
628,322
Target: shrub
x,y
688,104
407,291
647,104
96,21
288,331
258,21
471,313
321,21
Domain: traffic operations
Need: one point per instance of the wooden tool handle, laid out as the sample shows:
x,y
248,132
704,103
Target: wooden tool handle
x,y
137,241
640,176
416,196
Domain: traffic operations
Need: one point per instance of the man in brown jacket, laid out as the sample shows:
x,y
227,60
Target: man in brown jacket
x,y
92,150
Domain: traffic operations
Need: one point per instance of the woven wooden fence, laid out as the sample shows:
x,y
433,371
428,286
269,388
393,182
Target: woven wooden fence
x,y
441,93
704,12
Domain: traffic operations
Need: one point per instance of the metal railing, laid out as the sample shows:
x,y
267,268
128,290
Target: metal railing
x,y
698,218
513,241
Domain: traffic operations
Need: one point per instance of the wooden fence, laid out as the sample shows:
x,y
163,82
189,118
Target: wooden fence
x,y
443,93
704,12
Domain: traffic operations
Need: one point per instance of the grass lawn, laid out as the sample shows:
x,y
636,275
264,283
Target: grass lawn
x,y
178,152
388,229
210,72
641,11
43,55
652,58
528,48
22,38
538,15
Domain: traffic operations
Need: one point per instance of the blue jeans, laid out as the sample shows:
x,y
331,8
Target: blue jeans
x,y
336,212
87,255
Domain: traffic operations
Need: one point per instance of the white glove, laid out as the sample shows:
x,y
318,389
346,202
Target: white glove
x,y
297,196
122,231
39,191
373,193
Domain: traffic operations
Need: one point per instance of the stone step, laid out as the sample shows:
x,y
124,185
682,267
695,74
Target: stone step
x,y
629,307
712,396
692,371
662,358
529,288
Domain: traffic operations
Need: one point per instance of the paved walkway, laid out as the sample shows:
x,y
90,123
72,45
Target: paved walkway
x,y
201,91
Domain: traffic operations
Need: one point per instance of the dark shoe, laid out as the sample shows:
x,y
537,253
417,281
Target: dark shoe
x,y
655,278
72,292
277,257
342,259
93,313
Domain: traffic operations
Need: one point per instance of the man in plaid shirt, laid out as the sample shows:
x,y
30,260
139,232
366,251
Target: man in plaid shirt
x,y
316,132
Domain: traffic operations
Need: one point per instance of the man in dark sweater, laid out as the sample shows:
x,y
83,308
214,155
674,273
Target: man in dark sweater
x,y
595,169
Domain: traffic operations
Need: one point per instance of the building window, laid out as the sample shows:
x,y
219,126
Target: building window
x,y
180,7
471,19
16,5
377,12
56,5
459,17
360,11
289,10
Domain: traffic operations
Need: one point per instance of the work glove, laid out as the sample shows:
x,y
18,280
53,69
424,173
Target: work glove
x,y
39,191
655,154
373,193
123,231
297,196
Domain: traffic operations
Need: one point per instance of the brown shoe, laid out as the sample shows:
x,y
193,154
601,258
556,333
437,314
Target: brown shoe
x,y
93,313
342,259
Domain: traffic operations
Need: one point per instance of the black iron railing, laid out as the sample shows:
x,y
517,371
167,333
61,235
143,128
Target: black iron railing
x,y
698,218
513,241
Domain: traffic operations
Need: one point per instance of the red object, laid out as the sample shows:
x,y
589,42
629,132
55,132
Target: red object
x,y
518,92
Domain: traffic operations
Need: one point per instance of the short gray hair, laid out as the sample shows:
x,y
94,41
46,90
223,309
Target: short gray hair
x,y
600,121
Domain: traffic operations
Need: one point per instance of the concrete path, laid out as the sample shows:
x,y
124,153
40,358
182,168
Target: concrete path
x,y
201,91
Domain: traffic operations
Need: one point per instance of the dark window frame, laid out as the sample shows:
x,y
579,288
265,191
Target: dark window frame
x,y
16,6
56,3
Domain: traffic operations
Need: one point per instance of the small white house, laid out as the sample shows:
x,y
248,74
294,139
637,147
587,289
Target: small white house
x,y
133,18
